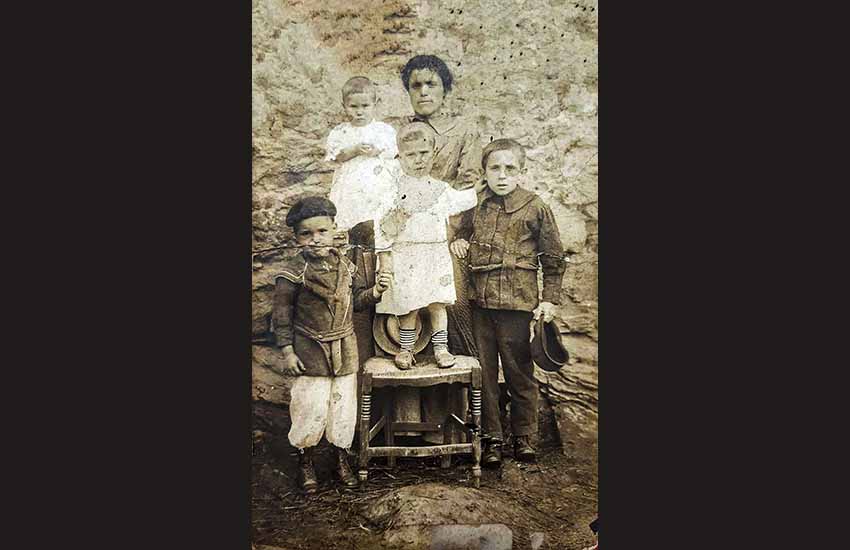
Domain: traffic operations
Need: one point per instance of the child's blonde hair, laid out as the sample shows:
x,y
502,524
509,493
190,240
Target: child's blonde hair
x,y
415,131
358,85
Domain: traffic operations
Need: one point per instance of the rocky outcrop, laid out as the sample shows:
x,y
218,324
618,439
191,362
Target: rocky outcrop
x,y
525,69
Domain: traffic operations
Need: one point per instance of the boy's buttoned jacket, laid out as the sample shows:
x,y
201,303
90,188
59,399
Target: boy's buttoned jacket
x,y
314,303
509,238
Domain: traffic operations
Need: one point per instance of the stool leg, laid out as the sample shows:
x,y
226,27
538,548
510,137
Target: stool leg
x,y
365,414
476,437
448,428
389,429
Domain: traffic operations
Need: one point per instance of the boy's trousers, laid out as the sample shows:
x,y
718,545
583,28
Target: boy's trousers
x,y
323,405
505,333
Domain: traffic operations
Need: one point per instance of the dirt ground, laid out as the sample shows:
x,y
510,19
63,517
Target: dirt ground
x,y
555,496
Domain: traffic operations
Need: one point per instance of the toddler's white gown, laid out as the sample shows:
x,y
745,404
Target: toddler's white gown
x,y
422,262
363,186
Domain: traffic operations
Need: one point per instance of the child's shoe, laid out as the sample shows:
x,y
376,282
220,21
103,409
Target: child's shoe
x,y
307,472
493,456
523,451
344,470
405,360
444,358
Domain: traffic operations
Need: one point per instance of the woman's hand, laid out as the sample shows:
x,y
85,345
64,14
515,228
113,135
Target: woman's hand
x,y
459,248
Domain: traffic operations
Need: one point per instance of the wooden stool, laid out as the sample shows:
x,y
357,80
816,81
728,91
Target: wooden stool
x,y
382,372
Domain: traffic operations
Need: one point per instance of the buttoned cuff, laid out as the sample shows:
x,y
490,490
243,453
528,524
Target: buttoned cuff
x,y
283,338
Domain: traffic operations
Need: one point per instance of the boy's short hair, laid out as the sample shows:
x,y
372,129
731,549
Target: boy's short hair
x,y
431,62
503,144
415,131
358,85
309,207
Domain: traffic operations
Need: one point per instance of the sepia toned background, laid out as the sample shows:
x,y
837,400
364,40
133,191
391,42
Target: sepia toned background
x,y
525,69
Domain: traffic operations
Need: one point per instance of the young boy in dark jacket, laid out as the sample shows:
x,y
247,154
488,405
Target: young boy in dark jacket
x,y
507,238
316,294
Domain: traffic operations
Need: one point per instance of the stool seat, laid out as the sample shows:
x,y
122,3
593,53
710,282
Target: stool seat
x,y
382,372
424,373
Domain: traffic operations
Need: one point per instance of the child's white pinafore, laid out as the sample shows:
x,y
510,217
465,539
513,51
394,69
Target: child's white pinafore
x,y
422,262
362,186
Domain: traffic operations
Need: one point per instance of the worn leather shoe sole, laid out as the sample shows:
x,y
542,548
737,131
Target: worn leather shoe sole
x,y
525,455
309,486
346,476
404,360
348,480
444,359
492,458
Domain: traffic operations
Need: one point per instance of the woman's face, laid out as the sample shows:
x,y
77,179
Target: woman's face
x,y
426,92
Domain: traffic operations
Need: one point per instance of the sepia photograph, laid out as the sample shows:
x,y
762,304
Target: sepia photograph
x,y
424,257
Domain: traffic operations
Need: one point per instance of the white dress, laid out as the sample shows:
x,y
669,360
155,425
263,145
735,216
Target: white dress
x,y
361,186
422,262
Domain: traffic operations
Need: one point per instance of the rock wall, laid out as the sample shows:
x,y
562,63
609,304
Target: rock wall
x,y
525,69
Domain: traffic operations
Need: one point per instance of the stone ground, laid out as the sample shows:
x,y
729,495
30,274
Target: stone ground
x,y
556,497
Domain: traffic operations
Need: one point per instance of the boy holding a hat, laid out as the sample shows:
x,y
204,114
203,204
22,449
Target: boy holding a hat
x,y
507,237
316,294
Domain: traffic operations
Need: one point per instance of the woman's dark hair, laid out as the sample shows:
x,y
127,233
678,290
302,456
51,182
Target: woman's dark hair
x,y
431,62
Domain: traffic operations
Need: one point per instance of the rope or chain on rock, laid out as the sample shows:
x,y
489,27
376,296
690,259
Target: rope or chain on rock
x,y
564,257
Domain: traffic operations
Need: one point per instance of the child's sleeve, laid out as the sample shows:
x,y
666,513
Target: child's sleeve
x,y
364,297
459,201
464,225
550,252
335,144
282,310
387,212
388,145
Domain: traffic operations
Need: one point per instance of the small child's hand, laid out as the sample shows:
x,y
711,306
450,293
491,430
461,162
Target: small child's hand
x,y
459,248
368,150
385,279
292,365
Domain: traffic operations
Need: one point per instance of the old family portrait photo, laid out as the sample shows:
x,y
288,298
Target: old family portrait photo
x,y
424,274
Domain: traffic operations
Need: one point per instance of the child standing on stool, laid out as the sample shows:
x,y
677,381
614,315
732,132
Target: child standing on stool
x,y
315,296
508,237
415,230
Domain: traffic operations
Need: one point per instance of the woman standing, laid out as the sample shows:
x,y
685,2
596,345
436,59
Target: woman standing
x,y
428,81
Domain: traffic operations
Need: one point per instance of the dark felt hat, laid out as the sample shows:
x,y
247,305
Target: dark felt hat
x,y
310,207
547,347
385,329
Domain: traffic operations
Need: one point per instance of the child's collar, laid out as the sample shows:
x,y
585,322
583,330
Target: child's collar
x,y
371,121
514,200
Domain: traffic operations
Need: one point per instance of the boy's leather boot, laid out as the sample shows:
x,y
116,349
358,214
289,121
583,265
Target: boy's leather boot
x,y
309,484
344,470
493,456
523,451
